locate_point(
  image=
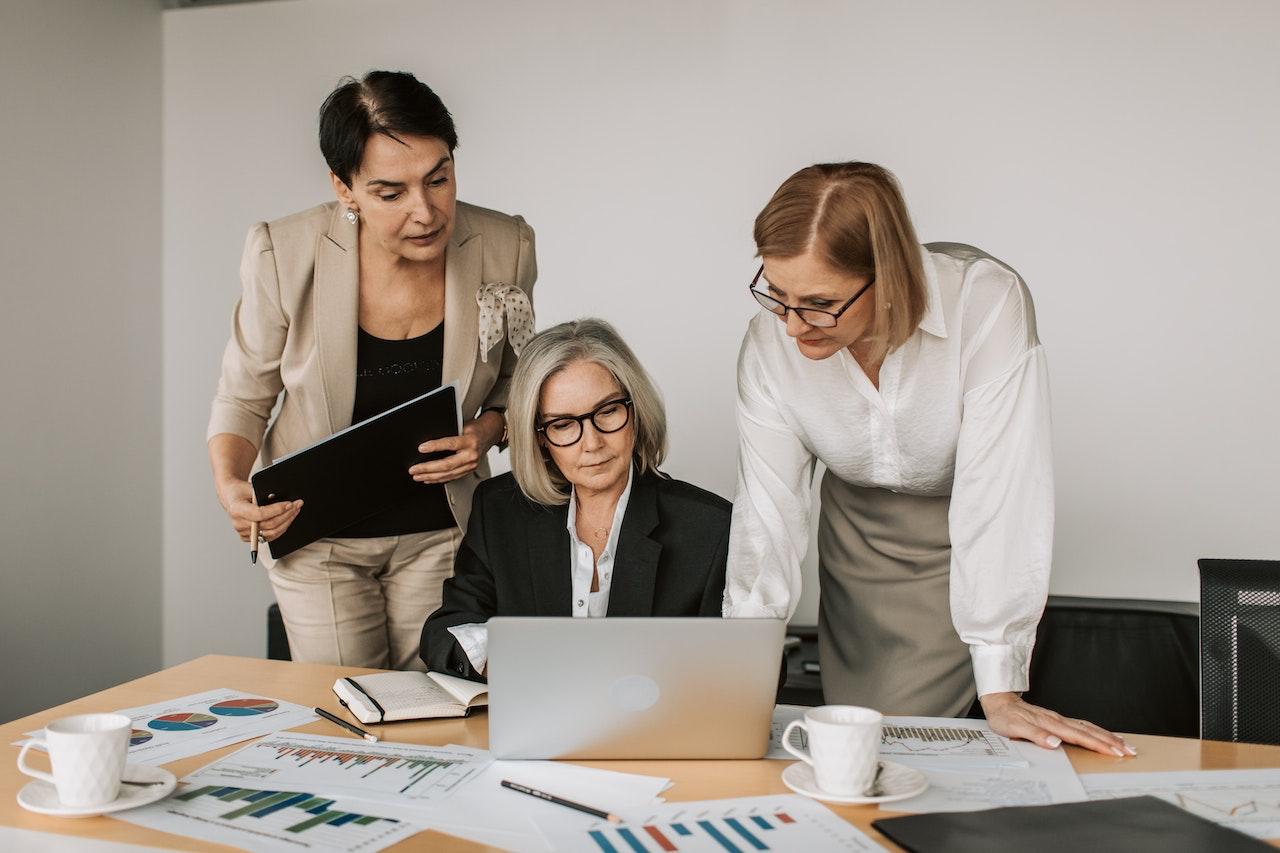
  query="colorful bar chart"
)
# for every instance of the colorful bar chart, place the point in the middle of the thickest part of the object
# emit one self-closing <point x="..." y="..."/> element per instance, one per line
<point x="730" y="834"/>
<point x="402" y="772"/>
<point x="260" y="804"/>
<point x="270" y="820"/>
<point x="414" y="770"/>
<point x="745" y="825"/>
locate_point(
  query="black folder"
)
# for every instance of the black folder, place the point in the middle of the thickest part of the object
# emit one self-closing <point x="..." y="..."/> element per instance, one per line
<point x="1095" y="826"/>
<point x="357" y="472"/>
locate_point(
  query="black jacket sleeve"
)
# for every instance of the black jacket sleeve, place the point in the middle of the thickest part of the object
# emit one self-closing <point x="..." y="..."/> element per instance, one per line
<point x="469" y="596"/>
<point x="713" y="595"/>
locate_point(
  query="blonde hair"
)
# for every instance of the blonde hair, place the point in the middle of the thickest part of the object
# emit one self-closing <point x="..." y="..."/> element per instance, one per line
<point x="852" y="216"/>
<point x="550" y="352"/>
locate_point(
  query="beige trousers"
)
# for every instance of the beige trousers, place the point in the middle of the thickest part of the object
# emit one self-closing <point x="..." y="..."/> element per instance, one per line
<point x="885" y="638"/>
<point x="362" y="602"/>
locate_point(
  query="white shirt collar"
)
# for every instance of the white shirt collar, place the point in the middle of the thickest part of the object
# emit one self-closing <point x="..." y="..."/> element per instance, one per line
<point x="933" y="320"/>
<point x="619" y="512"/>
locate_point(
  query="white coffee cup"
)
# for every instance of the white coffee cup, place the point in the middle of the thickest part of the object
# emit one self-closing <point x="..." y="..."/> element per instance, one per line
<point x="844" y="747"/>
<point x="88" y="753"/>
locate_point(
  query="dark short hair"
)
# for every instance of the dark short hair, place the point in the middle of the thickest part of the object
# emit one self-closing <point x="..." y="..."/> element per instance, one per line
<point x="393" y="103"/>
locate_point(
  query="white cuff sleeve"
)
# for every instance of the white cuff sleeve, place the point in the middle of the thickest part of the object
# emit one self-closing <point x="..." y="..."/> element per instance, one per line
<point x="748" y="609"/>
<point x="1000" y="669"/>
<point x="474" y="639"/>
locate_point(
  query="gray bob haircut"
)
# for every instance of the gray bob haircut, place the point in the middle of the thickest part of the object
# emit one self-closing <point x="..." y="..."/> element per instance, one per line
<point x="550" y="352"/>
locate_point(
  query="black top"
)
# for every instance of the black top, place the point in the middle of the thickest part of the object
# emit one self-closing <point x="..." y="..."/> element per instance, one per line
<point x="389" y="373"/>
<point x="515" y="561"/>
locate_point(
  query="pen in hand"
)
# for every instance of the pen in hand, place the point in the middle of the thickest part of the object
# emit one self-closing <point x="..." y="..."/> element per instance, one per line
<point x="253" y="542"/>
<point x="355" y="730"/>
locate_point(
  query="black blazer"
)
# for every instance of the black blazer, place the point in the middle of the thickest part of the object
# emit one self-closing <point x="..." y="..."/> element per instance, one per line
<point x="514" y="561"/>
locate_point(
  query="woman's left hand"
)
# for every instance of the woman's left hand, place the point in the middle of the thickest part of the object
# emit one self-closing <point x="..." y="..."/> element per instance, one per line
<point x="1008" y="715"/>
<point x="465" y="450"/>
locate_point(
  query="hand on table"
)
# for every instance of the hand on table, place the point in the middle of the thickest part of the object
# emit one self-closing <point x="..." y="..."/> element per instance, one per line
<point x="465" y="450"/>
<point x="1008" y="715"/>
<point x="236" y="497"/>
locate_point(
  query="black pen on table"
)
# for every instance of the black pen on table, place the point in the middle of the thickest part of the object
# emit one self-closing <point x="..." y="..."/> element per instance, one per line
<point x="560" y="801"/>
<point x="355" y="730"/>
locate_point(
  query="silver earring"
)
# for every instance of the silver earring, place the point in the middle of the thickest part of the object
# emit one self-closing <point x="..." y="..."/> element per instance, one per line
<point x="352" y="216"/>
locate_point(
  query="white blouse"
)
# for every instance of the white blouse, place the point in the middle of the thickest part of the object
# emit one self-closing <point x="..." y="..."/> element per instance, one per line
<point x="962" y="409"/>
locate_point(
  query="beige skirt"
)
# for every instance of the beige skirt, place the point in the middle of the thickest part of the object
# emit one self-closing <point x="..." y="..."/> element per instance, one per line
<point x="885" y="638"/>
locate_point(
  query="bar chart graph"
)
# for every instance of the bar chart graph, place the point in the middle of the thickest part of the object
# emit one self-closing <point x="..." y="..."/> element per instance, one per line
<point x="254" y="803"/>
<point x="723" y="826"/>
<point x="338" y="766"/>
<point x="269" y="820"/>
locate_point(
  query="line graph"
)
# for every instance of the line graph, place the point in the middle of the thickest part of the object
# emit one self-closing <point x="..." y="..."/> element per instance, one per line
<point x="1245" y="800"/>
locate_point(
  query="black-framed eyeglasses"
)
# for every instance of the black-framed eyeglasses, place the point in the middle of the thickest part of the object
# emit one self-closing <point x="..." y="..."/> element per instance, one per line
<point x="609" y="416"/>
<point x="812" y="316"/>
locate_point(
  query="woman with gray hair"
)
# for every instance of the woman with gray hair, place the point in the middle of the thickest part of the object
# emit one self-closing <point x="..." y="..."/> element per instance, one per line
<point x="585" y="524"/>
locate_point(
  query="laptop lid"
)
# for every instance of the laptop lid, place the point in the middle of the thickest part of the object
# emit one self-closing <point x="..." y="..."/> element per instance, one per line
<point x="632" y="687"/>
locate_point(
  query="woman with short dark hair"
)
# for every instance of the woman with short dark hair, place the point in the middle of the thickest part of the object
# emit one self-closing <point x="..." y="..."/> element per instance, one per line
<point x="351" y="308"/>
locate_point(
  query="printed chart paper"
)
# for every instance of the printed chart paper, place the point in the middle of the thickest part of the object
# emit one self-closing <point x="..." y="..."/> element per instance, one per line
<point x="915" y="740"/>
<point x="1244" y="800"/>
<point x="399" y="774"/>
<point x="190" y="725"/>
<point x="488" y="813"/>
<point x="787" y="822"/>
<point x="958" y="784"/>
<point x="270" y="820"/>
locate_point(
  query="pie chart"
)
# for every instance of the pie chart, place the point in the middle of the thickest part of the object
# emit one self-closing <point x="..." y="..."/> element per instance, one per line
<point x="138" y="737"/>
<point x="243" y="707"/>
<point x="181" y="722"/>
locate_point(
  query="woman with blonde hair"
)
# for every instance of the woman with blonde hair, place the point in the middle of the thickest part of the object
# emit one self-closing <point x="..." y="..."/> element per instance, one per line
<point x="915" y="375"/>
<point x="585" y="524"/>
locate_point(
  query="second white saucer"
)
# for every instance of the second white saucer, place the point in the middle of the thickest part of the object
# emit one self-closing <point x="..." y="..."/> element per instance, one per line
<point x="41" y="797"/>
<point x="896" y="781"/>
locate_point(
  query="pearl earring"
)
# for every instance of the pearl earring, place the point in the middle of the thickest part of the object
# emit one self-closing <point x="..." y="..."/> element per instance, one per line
<point x="352" y="216"/>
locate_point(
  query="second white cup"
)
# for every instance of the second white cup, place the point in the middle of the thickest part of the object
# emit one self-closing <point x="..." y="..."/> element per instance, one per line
<point x="88" y="753"/>
<point x="844" y="747"/>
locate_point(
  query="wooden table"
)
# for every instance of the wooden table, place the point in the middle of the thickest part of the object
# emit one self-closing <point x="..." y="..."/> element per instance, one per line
<point x="309" y="684"/>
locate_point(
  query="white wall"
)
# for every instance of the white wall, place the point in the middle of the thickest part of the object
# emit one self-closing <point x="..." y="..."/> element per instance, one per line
<point x="1123" y="159"/>
<point x="80" y="503"/>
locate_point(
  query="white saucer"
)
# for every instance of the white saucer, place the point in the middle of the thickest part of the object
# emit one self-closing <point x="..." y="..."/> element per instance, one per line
<point x="897" y="781"/>
<point x="40" y="796"/>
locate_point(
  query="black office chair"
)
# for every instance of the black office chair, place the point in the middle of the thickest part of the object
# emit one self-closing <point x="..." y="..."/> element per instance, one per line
<point x="1128" y="665"/>
<point x="803" y="685"/>
<point x="1240" y="650"/>
<point x="277" y="640"/>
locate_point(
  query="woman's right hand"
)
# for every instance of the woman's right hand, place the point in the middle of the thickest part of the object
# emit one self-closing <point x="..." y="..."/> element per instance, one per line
<point x="236" y="497"/>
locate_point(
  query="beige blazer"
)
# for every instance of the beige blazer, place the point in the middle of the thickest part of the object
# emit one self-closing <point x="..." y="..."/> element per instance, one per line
<point x="294" y="329"/>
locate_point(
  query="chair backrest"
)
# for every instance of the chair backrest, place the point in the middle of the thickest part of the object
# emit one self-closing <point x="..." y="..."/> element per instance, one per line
<point x="1128" y="665"/>
<point x="1240" y="650"/>
<point x="277" y="640"/>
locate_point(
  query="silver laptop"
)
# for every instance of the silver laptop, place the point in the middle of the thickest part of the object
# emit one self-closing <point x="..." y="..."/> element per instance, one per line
<point x="632" y="688"/>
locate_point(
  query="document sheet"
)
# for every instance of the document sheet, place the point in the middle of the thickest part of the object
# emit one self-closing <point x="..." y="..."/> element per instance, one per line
<point x="1244" y="800"/>
<point x="780" y="822"/>
<point x="189" y="725"/>
<point x="400" y="777"/>
<point x="266" y="819"/>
